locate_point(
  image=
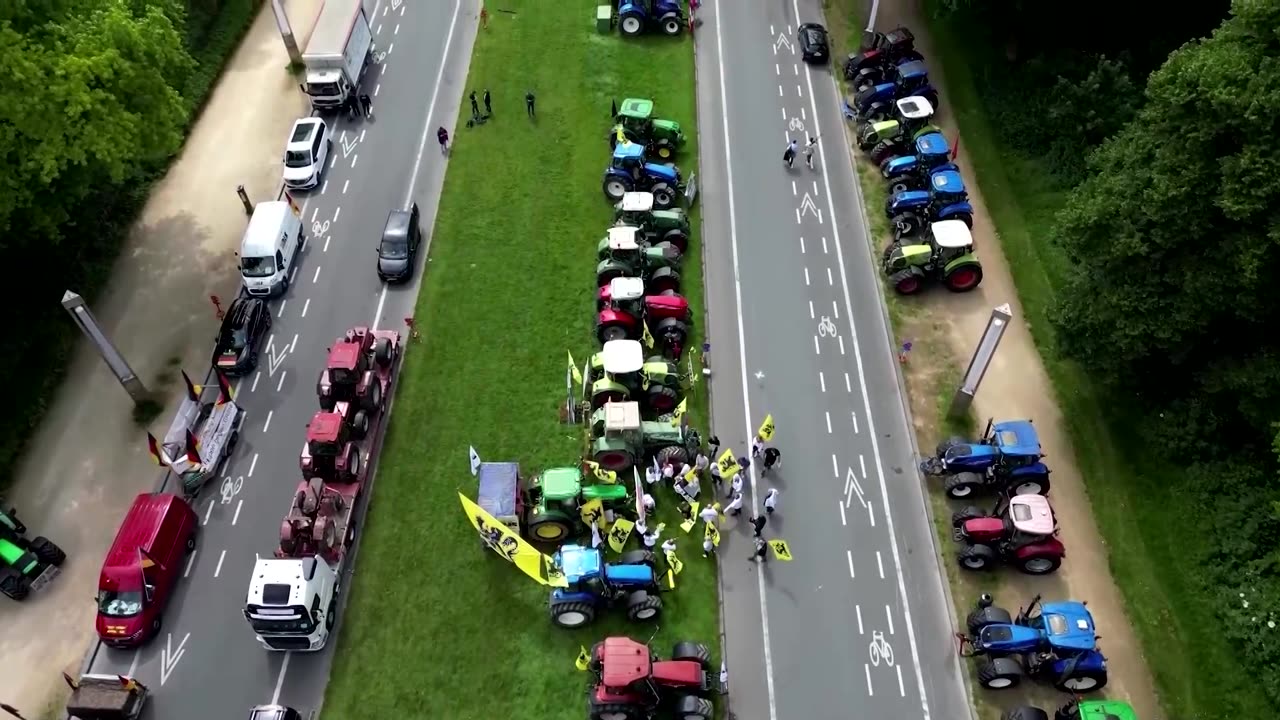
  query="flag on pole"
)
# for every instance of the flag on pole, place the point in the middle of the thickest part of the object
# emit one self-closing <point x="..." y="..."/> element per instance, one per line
<point x="584" y="660"/>
<point x="475" y="460"/>
<point x="573" y="368"/>
<point x="153" y="447"/>
<point x="225" y="393"/>
<point x="193" y="390"/>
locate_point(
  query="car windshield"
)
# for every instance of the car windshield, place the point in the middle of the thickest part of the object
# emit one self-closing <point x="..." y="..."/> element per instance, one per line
<point x="297" y="159"/>
<point x="257" y="266"/>
<point x="816" y="37"/>
<point x="119" y="604"/>
<point x="394" y="248"/>
<point x="322" y="88"/>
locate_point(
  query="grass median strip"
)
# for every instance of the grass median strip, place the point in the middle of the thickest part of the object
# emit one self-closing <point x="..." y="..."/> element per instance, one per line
<point x="437" y="624"/>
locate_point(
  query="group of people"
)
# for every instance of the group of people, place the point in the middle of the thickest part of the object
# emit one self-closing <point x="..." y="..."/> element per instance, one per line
<point x="442" y="135"/>
<point x="789" y="155"/>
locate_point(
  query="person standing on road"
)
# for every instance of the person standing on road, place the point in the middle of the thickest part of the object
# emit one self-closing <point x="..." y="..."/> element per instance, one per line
<point x="443" y="136"/>
<point x="735" y="486"/>
<point x="757" y="446"/>
<point x="528" y="103"/>
<point x="761" y="553"/>
<point x="734" y="507"/>
<point x="789" y="155"/>
<point x="475" y="107"/>
<point x="772" y="459"/>
<point x="771" y="501"/>
<point x="366" y="104"/>
<point x="757" y="524"/>
<point x="808" y="151"/>
<point x="488" y="108"/>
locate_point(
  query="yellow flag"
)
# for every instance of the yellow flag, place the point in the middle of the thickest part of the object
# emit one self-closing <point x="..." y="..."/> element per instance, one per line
<point x="674" y="562"/>
<point x="604" y="476"/>
<point x="681" y="409"/>
<point x="573" y="368"/>
<point x="646" y="336"/>
<point x="766" y="429"/>
<point x="584" y="660"/>
<point x="591" y="510"/>
<point x="687" y="525"/>
<point x="620" y="533"/>
<point x="621" y="136"/>
<point x="781" y="550"/>
<point x="671" y="580"/>
<point x="728" y="464"/>
<point x="511" y="547"/>
<point x="712" y="534"/>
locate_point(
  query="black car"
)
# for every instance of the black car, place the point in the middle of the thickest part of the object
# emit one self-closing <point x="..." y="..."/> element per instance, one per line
<point x="246" y="323"/>
<point x="274" y="712"/>
<point x="399" y="246"/>
<point x="814" y="44"/>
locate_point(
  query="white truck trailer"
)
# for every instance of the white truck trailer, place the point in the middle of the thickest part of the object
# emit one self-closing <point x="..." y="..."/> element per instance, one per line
<point x="340" y="48"/>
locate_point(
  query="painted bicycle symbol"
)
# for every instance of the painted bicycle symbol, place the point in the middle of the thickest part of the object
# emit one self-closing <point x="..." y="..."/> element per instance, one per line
<point x="826" y="328"/>
<point x="231" y="488"/>
<point x="319" y="229"/>
<point x="880" y="650"/>
<point x="796" y="125"/>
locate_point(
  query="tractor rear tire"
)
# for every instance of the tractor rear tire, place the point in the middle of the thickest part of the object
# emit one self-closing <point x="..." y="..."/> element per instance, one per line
<point x="572" y="615"/>
<point x="960" y="517"/>
<point x="909" y="224"/>
<point x="900" y="184"/>
<point x="984" y="616"/>
<point x="977" y="557"/>
<point x="664" y="196"/>
<point x="1084" y="682"/>
<point x="638" y="557"/>
<point x="1039" y="564"/>
<point x="550" y="528"/>
<point x="671" y="25"/>
<point x="673" y="454"/>
<point x="693" y="651"/>
<point x="631" y="24"/>
<point x="663" y="280"/>
<point x="907" y="282"/>
<point x="615" y="187"/>
<point x="672" y="330"/>
<point x="999" y="673"/>
<point x="383" y="352"/>
<point x="615" y="460"/>
<point x="692" y="707"/>
<point x="353" y="465"/>
<point x="17" y="587"/>
<point x="616" y="711"/>
<point x="372" y="400"/>
<point x="678" y="238"/>
<point x="881" y="152"/>
<point x="46" y="552"/>
<point x="964" y="278"/>
<point x="613" y="331"/>
<point x="1025" y="712"/>
<point x="662" y="399"/>
<point x="643" y="607"/>
<point x="663" y="149"/>
<point x="1036" y="485"/>
<point x="359" y="425"/>
<point x="598" y="400"/>
<point x="962" y="485"/>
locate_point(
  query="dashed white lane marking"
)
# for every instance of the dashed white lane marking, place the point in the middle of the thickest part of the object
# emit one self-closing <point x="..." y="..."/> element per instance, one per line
<point x="862" y="465"/>
<point x="848" y="387"/>
<point x="267" y="425"/>
<point x="779" y="91"/>
<point x="793" y="187"/>
<point x="307" y="304"/>
<point x="822" y="380"/>
<point x="252" y="465"/>
<point x="337" y="212"/>
<point x="811" y="315"/>
<point x="236" y="517"/>
<point x="207" y="512"/>
<point x="376" y="88"/>
<point x="870" y="691"/>
<point x="849" y="556"/>
<point x="841" y="339"/>
<point x="345" y="184"/>
<point x="871" y="512"/>
<point x="902" y="690"/>
<point x="888" y="614"/>
<point x="316" y="276"/>
<point x="858" y="609"/>
<point x="218" y="570"/>
<point x="256" y="377"/>
<point x="880" y="564"/>
<point x="314" y="213"/>
<point x="844" y="522"/>
<point x="397" y="30"/>
<point x="280" y="385"/>
<point x="293" y="274"/>
<point x="816" y="350"/>
<point x="824" y="245"/>
<point x="282" y="304"/>
<point x="828" y="412"/>
<point x="854" y="416"/>
<point x="801" y="244"/>
<point x="835" y="465"/>
<point x="190" y="559"/>
<point x="830" y="278"/>
<point x="354" y="159"/>
<point x="806" y="276"/>
<point x="836" y="309"/>
<point x="799" y="92"/>
<point x="326" y="243"/>
<point x="294" y="344"/>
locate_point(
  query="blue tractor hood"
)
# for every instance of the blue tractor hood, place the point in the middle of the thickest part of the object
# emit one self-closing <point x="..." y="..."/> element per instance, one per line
<point x="1069" y="626"/>
<point x="947" y="182"/>
<point x="898" y="165"/>
<point x="913" y="70"/>
<point x="628" y="151"/>
<point x="1008" y="639"/>
<point x="933" y="144"/>
<point x="629" y="574"/>
<point x="907" y="200"/>
<point x="666" y="173"/>
<point x="579" y="563"/>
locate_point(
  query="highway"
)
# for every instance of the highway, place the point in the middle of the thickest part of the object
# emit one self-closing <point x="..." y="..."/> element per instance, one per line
<point x="860" y="617"/>
<point x="206" y="663"/>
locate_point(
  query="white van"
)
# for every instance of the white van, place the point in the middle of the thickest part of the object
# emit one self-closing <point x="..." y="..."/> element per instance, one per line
<point x="270" y="248"/>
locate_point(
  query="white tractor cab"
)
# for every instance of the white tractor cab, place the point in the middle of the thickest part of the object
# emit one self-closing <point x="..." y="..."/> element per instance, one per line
<point x="623" y="357"/>
<point x="305" y="153"/>
<point x="269" y="248"/>
<point x="292" y="603"/>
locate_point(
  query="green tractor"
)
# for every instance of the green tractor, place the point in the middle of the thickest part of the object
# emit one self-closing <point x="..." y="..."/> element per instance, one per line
<point x="659" y="226"/>
<point x="25" y="565"/>
<point x="634" y="121"/>
<point x="619" y="372"/>
<point x="1076" y="709"/>
<point x="620" y="439"/>
<point x="912" y="117"/>
<point x="552" y="500"/>
<point x="945" y="255"/>
<point x="622" y="255"/>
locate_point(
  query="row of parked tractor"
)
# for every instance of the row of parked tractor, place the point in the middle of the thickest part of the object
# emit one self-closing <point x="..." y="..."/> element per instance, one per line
<point x="892" y="108"/>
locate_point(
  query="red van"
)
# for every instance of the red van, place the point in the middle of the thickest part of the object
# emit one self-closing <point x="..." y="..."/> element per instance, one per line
<point x="142" y="566"/>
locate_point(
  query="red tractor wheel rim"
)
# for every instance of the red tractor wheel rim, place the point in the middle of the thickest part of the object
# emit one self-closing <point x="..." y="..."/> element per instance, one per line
<point x="612" y="459"/>
<point x="908" y="286"/>
<point x="662" y="403"/>
<point x="964" y="278"/>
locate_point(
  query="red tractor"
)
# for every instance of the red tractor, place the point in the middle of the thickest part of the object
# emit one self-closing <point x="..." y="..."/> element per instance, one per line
<point x="624" y="310"/>
<point x="358" y="369"/>
<point x="318" y="522"/>
<point x="331" y="452"/>
<point x="632" y="685"/>
<point x="1021" y="531"/>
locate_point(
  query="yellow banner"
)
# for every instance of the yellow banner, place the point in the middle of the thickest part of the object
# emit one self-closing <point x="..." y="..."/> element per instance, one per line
<point x="604" y="476"/>
<point x="687" y="525"/>
<point x="781" y="550"/>
<point x="671" y="580"/>
<point x="766" y="429"/>
<point x="620" y="533"/>
<point x="584" y="660"/>
<point x="647" y="337"/>
<point x="674" y="562"/>
<point x="728" y="464"/>
<point x="573" y="368"/>
<point x="510" y="546"/>
<point x="712" y="534"/>
<point x="591" y="511"/>
<point x="681" y="409"/>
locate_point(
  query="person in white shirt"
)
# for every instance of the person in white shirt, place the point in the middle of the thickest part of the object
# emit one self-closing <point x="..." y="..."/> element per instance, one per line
<point x="668" y="472"/>
<point x="735" y="505"/>
<point x="651" y="539"/>
<point x="668" y="546"/>
<point x="709" y="514"/>
<point x="715" y="476"/>
<point x="757" y="446"/>
<point x="701" y="462"/>
<point x="651" y="475"/>
<point x="708" y="547"/>
<point x="649" y="504"/>
<point x="735" y="487"/>
<point x="771" y="501"/>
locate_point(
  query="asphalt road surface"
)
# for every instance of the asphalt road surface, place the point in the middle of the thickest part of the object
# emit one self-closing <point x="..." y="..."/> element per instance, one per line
<point x="206" y="663"/>
<point x="859" y="618"/>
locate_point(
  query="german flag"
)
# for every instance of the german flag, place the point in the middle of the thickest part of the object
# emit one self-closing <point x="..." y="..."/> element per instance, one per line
<point x="193" y="448"/>
<point x="293" y="204"/>
<point x="145" y="560"/>
<point x="225" y="395"/>
<point x="153" y="447"/>
<point x="193" y="390"/>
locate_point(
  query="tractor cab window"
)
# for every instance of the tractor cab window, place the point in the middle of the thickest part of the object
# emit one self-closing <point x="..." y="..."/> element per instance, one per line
<point x="321" y="448"/>
<point x="342" y="376"/>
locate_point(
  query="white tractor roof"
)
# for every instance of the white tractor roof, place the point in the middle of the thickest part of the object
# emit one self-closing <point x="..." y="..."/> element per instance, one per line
<point x="626" y="288"/>
<point x="915" y="107"/>
<point x="1032" y="514"/>
<point x="623" y="237"/>
<point x="623" y="356"/>
<point x="624" y="416"/>
<point x="952" y="234"/>
<point x="636" y="202"/>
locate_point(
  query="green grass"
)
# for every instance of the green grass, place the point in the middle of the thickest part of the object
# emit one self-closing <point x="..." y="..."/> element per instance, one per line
<point x="1136" y="500"/>
<point x="437" y="626"/>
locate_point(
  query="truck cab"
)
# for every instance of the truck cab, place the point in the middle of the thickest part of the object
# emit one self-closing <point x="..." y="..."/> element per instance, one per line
<point x="293" y="603"/>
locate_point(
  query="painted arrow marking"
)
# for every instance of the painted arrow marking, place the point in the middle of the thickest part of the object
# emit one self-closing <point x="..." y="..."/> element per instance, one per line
<point x="347" y="148"/>
<point x="780" y="42"/>
<point x="807" y="206"/>
<point x="169" y="657"/>
<point x="851" y="487"/>
<point x="395" y="4"/>
<point x="273" y="360"/>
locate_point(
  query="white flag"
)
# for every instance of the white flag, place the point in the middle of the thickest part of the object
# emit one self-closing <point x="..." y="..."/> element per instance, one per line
<point x="475" y="461"/>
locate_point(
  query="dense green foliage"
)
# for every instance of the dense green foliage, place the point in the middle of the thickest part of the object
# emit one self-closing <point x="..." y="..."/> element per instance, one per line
<point x="96" y="98"/>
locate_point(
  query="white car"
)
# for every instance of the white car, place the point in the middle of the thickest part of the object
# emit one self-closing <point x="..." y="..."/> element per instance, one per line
<point x="306" y="153"/>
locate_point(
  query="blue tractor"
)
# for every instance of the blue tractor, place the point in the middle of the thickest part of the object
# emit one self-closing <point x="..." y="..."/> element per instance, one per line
<point x="914" y="210"/>
<point x="874" y="101"/>
<point x="630" y="171"/>
<point x="593" y="585"/>
<point x="911" y="172"/>
<point x="1007" y="458"/>
<point x="1051" y="642"/>
<point x="636" y="16"/>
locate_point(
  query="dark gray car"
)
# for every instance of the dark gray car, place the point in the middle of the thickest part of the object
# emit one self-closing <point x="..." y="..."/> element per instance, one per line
<point x="398" y="249"/>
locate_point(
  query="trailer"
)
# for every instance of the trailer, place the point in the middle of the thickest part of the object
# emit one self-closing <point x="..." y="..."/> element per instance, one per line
<point x="340" y="48"/>
<point x="105" y="697"/>
<point x="201" y="436"/>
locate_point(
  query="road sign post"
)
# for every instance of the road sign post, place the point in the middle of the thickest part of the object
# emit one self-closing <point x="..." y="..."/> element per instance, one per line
<point x="88" y="324"/>
<point x="981" y="360"/>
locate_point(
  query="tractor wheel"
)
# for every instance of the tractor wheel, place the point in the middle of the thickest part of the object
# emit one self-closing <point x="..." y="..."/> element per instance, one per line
<point x="1033" y="485"/>
<point x="638" y="557"/>
<point x="1025" y="712"/>
<point x="46" y="552"/>
<point x="643" y="607"/>
<point x="612" y="331"/>
<point x="692" y="707"/>
<point x="877" y="111"/>
<point x="907" y="282"/>
<point x="962" y="485"/>
<point x="1083" y="682"/>
<point x="615" y="187"/>
<point x="372" y="401"/>
<point x="672" y="454"/>
<point x="617" y="711"/>
<point x="672" y="330"/>
<point x="976" y="557"/>
<point x="662" y="281"/>
<point x="664" y="196"/>
<point x="677" y="237"/>
<point x="900" y="184"/>
<point x="662" y="399"/>
<point x="353" y="465"/>
<point x="17" y="587"/>
<point x="615" y="460"/>
<point x="881" y="152"/>
<point x="999" y="673"/>
<point x="383" y="352"/>
<point x="963" y="278"/>
<point x="571" y="615"/>
<point x="694" y="652"/>
<point x="1039" y="564"/>
<point x="671" y="24"/>
<point x="331" y="615"/>
<point x="631" y="24"/>
<point x="359" y="425"/>
<point x="907" y="224"/>
<point x="964" y="217"/>
<point x="550" y="527"/>
<point x="670" y="251"/>
<point x="611" y="271"/>
<point x="599" y="399"/>
<point x="985" y="616"/>
<point x="663" y="149"/>
<point x="888" y="252"/>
